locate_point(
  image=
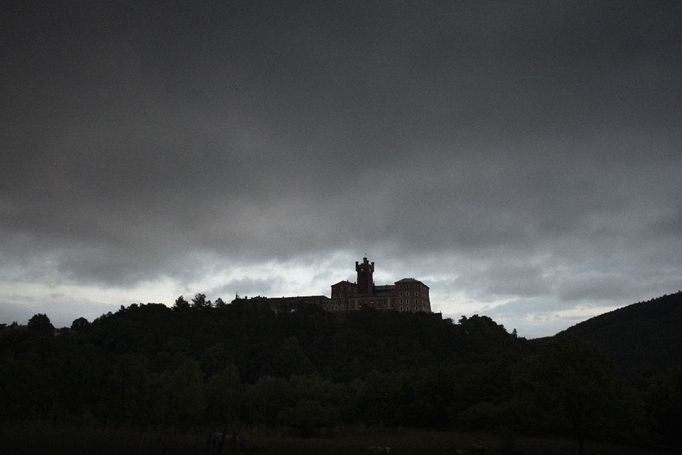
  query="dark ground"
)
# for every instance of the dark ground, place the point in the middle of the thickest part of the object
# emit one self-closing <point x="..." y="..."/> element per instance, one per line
<point x="49" y="439"/>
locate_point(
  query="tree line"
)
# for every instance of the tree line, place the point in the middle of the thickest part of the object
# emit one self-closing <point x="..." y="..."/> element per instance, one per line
<point x="310" y="371"/>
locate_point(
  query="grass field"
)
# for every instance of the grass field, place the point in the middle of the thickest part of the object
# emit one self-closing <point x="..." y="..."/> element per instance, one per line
<point x="39" y="438"/>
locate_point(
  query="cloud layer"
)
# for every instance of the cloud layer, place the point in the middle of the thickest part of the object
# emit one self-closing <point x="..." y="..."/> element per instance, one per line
<point x="522" y="159"/>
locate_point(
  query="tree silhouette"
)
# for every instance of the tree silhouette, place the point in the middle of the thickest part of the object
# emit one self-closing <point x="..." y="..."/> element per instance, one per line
<point x="181" y="304"/>
<point x="40" y="323"/>
<point x="199" y="301"/>
<point x="79" y="324"/>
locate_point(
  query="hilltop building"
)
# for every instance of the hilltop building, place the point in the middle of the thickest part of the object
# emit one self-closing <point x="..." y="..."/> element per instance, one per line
<point x="407" y="294"/>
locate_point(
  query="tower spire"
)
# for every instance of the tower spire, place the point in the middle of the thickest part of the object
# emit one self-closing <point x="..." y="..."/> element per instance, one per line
<point x="365" y="280"/>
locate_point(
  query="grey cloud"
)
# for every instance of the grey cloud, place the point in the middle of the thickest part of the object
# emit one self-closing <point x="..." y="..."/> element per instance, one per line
<point x="143" y="142"/>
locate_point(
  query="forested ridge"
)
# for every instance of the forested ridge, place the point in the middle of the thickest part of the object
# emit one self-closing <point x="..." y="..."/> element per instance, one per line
<point x="309" y="371"/>
<point x="640" y="338"/>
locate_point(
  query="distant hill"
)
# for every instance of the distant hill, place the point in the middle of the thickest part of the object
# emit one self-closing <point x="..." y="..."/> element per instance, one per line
<point x="639" y="337"/>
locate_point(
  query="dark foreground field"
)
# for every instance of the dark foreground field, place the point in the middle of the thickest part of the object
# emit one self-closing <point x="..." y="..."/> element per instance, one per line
<point x="39" y="438"/>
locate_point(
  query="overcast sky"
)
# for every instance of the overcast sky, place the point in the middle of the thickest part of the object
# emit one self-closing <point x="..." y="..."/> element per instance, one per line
<point x="523" y="159"/>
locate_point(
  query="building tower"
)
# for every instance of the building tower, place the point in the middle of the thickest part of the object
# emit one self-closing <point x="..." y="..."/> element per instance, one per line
<point x="365" y="280"/>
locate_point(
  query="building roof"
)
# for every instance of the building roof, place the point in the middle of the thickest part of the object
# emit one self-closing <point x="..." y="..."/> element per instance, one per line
<point x="410" y="280"/>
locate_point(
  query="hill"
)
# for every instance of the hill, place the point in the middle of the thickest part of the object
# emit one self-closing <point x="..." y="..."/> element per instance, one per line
<point x="639" y="338"/>
<point x="218" y="366"/>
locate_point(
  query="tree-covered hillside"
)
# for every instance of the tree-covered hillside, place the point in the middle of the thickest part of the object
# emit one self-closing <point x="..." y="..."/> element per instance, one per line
<point x="309" y="371"/>
<point x="639" y="338"/>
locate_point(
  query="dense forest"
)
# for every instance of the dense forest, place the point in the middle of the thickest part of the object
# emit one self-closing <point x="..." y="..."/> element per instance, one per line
<point x="309" y="372"/>
<point x="640" y="338"/>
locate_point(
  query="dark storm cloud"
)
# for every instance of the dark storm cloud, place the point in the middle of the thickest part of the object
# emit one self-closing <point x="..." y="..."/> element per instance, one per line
<point x="539" y="143"/>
